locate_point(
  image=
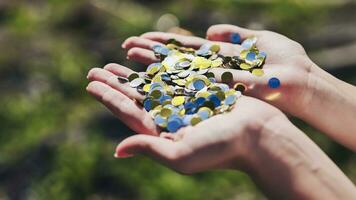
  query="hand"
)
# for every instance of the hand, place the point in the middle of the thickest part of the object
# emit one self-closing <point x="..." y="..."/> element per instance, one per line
<point x="254" y="137"/>
<point x="286" y="60"/>
<point x="222" y="141"/>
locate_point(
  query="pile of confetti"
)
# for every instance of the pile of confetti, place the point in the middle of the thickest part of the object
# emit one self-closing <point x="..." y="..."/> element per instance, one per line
<point x="181" y="91"/>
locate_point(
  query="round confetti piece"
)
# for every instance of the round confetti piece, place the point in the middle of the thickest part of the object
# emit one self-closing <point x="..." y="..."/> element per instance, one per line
<point x="245" y="66"/>
<point x="156" y="94"/>
<point x="178" y="100"/>
<point x="257" y="72"/>
<point x="235" y="38"/>
<point x="215" y="48"/>
<point x="215" y="100"/>
<point x="274" y="83"/>
<point x="132" y="76"/>
<point x="240" y="87"/>
<point x="230" y="100"/>
<point x="122" y="79"/>
<point x="159" y="120"/>
<point x="166" y="112"/>
<point x="147" y="104"/>
<point x="198" y="84"/>
<point x="226" y="77"/>
<point x="174" y="125"/>
<point x="195" y="120"/>
<point x="251" y="56"/>
<point x="136" y="82"/>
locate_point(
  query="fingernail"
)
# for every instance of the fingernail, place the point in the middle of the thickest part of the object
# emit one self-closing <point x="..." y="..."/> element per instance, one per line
<point x="123" y="46"/>
<point x="122" y="155"/>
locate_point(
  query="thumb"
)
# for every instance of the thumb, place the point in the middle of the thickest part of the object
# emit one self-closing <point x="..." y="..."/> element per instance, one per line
<point x="158" y="148"/>
<point x="224" y="33"/>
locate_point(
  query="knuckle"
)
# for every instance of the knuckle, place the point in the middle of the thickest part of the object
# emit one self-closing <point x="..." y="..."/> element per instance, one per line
<point x="109" y="96"/>
<point x="112" y="80"/>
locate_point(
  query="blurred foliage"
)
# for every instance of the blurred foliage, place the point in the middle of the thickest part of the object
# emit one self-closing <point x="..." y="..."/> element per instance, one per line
<point x="57" y="143"/>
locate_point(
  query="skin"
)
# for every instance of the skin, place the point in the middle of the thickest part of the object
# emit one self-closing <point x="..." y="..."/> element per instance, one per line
<point x="254" y="137"/>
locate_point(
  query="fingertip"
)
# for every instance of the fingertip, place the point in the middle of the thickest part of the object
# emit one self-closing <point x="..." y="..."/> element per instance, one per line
<point x="122" y="154"/>
<point x="123" y="45"/>
<point x="92" y="72"/>
<point x="141" y="55"/>
<point x="129" y="146"/>
<point x="97" y="89"/>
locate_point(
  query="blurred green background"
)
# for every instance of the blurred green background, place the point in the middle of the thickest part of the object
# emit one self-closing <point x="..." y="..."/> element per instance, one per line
<point x="56" y="142"/>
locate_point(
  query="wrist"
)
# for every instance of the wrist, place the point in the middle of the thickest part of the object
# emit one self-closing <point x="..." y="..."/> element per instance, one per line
<point x="329" y="98"/>
<point x="286" y="163"/>
<point x="261" y="138"/>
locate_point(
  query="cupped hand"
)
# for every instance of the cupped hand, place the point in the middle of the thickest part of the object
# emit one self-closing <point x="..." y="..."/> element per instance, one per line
<point x="286" y="60"/>
<point x="222" y="141"/>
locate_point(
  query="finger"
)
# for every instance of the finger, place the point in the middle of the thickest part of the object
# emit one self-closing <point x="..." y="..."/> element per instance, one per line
<point x="104" y="76"/>
<point x="163" y="150"/>
<point x="124" y="108"/>
<point x="187" y="41"/>
<point x="139" y="42"/>
<point x="119" y="70"/>
<point x="142" y="55"/>
<point x="222" y="32"/>
<point x="226" y="49"/>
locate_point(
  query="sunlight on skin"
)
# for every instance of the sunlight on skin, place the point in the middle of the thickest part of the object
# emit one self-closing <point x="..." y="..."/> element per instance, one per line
<point x="273" y="96"/>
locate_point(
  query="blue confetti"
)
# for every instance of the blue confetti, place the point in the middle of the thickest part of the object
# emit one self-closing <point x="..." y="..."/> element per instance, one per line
<point x="147" y="104"/>
<point x="230" y="100"/>
<point x="251" y="56"/>
<point x="200" y="101"/>
<point x="235" y="38"/>
<point x="199" y="84"/>
<point x="174" y="125"/>
<point x="215" y="100"/>
<point x="274" y="83"/>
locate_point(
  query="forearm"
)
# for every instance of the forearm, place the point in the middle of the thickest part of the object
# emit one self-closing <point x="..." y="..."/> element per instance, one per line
<point x="332" y="107"/>
<point x="291" y="166"/>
